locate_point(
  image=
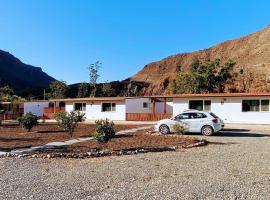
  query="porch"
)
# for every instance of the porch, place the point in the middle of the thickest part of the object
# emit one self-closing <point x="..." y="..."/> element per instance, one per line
<point x="11" y="111"/>
<point x="53" y="108"/>
<point x="153" y="109"/>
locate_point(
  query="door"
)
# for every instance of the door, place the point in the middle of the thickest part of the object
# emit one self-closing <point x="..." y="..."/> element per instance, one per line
<point x="196" y="121"/>
<point x="184" y="118"/>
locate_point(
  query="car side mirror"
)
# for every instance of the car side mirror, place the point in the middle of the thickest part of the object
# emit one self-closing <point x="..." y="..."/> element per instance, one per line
<point x="175" y="119"/>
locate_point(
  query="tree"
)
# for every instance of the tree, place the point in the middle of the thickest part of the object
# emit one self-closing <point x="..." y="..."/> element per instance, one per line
<point x="6" y="92"/>
<point x="107" y="90"/>
<point x="69" y="121"/>
<point x="93" y="76"/>
<point x="83" y="90"/>
<point x="251" y="80"/>
<point x="209" y="76"/>
<point x="58" y="89"/>
<point x="28" y="121"/>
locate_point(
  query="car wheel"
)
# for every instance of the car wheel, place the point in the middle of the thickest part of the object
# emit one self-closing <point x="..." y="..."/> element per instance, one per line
<point x="207" y="131"/>
<point x="164" y="129"/>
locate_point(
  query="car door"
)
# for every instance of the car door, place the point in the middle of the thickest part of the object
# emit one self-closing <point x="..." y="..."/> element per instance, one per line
<point x="184" y="119"/>
<point x="196" y="121"/>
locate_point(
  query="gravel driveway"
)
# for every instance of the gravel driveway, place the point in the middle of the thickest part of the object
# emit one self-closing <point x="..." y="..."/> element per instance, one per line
<point x="235" y="165"/>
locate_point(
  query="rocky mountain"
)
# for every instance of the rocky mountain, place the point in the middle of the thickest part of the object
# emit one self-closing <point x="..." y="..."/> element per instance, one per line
<point x="21" y="77"/>
<point x="251" y="51"/>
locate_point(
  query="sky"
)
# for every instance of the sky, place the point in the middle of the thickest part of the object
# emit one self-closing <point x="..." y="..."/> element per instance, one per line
<point x="65" y="36"/>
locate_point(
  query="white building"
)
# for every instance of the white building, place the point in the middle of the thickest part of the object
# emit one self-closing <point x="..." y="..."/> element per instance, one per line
<point x="231" y="107"/>
<point x="35" y="107"/>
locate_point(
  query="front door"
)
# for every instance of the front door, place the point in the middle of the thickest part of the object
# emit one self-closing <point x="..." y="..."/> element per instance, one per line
<point x="184" y="118"/>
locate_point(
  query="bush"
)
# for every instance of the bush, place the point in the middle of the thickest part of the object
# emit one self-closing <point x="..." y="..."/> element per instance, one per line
<point x="104" y="130"/>
<point x="28" y="121"/>
<point x="69" y="121"/>
<point x="178" y="128"/>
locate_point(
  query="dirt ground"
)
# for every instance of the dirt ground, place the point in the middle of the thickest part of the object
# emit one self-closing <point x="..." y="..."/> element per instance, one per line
<point x="138" y="140"/>
<point x="13" y="136"/>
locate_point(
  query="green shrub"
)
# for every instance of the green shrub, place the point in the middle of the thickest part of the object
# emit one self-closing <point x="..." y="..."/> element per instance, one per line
<point x="69" y="121"/>
<point x="179" y="128"/>
<point x="28" y="121"/>
<point x="104" y="130"/>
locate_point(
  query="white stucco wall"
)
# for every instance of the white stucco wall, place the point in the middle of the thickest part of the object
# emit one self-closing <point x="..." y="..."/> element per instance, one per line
<point x="93" y="112"/>
<point x="230" y="111"/>
<point x="35" y="107"/>
<point x="136" y="106"/>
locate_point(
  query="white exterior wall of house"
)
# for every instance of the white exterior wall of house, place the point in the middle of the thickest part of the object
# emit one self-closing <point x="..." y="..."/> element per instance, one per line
<point x="230" y="111"/>
<point x="94" y="112"/>
<point x="136" y="106"/>
<point x="35" y="107"/>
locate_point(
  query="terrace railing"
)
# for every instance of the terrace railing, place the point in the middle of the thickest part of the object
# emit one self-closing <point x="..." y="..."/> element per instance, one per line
<point x="146" y="116"/>
<point x="50" y="111"/>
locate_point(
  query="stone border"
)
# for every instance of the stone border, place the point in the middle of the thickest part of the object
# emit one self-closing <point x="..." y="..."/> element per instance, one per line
<point x="36" y="152"/>
<point x="101" y="153"/>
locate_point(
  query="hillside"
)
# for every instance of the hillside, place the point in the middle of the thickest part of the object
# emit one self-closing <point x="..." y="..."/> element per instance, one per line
<point x="252" y="51"/>
<point x="20" y="76"/>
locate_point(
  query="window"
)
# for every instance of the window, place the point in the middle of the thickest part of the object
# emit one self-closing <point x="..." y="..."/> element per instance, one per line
<point x="145" y="105"/>
<point x="182" y="116"/>
<point x="108" y="107"/>
<point x="250" y="105"/>
<point x="202" y="105"/>
<point x="207" y="105"/>
<point x="80" y="106"/>
<point x="264" y="105"/>
<point x="197" y="115"/>
<point x="213" y="115"/>
<point x="196" y="104"/>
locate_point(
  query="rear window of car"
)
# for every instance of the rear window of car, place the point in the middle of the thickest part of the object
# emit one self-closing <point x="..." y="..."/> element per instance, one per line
<point x="213" y="115"/>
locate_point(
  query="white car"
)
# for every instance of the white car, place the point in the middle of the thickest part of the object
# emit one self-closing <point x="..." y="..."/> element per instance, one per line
<point x="193" y="121"/>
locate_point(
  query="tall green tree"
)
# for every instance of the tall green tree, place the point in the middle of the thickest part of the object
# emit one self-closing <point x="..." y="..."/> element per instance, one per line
<point x="93" y="76"/>
<point x="58" y="89"/>
<point x="83" y="90"/>
<point x="209" y="76"/>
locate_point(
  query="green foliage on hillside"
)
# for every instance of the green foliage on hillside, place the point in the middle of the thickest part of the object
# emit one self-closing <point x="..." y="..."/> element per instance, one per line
<point x="58" y="89"/>
<point x="83" y="90"/>
<point x="206" y="77"/>
<point x="8" y="94"/>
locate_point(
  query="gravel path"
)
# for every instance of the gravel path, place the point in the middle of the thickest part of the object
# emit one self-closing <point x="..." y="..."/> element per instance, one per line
<point x="234" y="166"/>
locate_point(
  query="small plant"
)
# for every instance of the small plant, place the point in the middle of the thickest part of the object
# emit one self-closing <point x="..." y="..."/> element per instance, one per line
<point x="69" y="121"/>
<point x="179" y="128"/>
<point x="104" y="130"/>
<point x="28" y="121"/>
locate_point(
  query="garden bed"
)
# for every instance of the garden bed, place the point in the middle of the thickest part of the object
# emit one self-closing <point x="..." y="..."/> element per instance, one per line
<point x="139" y="142"/>
<point x="14" y="137"/>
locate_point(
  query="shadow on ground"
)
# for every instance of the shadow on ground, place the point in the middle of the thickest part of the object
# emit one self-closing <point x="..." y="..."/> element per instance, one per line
<point x="241" y="134"/>
<point x="221" y="143"/>
<point x="236" y="133"/>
